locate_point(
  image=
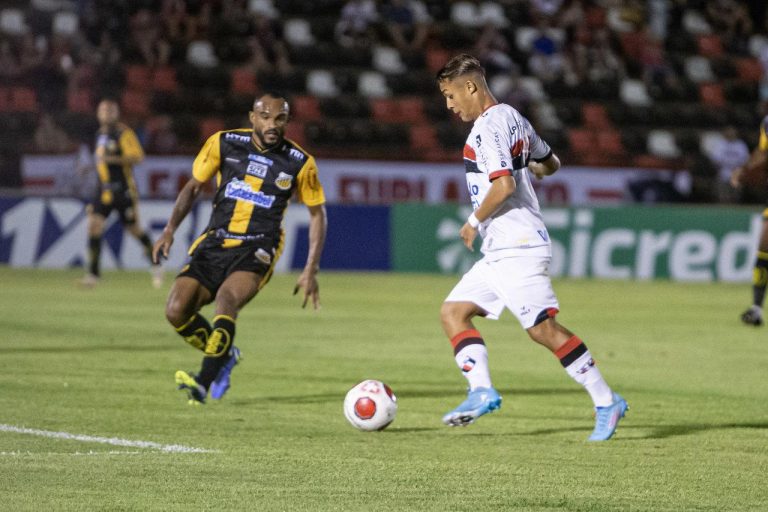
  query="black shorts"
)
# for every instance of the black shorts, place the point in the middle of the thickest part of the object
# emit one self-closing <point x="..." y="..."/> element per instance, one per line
<point x="211" y="264"/>
<point x="123" y="202"/>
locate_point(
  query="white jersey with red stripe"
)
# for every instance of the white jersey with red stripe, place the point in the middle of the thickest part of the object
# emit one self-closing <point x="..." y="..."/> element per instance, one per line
<point x="501" y="143"/>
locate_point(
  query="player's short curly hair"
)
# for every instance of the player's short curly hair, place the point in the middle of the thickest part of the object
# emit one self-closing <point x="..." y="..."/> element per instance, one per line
<point x="459" y="65"/>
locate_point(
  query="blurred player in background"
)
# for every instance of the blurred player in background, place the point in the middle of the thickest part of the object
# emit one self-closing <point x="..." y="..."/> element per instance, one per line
<point x="755" y="166"/>
<point x="500" y="154"/>
<point x="257" y="172"/>
<point x="117" y="151"/>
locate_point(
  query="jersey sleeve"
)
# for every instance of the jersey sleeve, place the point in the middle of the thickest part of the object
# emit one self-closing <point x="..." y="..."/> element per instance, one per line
<point x="208" y="160"/>
<point x="130" y="146"/>
<point x="309" y="190"/>
<point x="539" y="149"/>
<point x="763" y="143"/>
<point x="494" y="145"/>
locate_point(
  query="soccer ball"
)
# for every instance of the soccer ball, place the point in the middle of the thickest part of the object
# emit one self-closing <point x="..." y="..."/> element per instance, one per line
<point x="370" y="405"/>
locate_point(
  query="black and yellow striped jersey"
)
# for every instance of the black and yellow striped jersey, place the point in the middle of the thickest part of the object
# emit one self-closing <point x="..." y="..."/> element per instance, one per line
<point x="254" y="186"/>
<point x="763" y="142"/>
<point x="119" y="140"/>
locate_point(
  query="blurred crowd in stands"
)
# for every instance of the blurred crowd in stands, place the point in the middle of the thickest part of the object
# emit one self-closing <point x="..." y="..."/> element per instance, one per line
<point x="669" y="84"/>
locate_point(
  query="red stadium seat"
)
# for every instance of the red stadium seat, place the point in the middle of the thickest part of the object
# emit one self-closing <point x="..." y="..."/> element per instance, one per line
<point x="749" y="69"/>
<point x="138" y="77"/>
<point x="384" y="110"/>
<point x="243" y="81"/>
<point x="609" y="143"/>
<point x="582" y="141"/>
<point x="401" y="110"/>
<point x="210" y="125"/>
<point x="710" y="46"/>
<point x="5" y="99"/>
<point x="423" y="137"/>
<point x="411" y="109"/>
<point x="80" y="100"/>
<point x="712" y="94"/>
<point x="436" y="59"/>
<point x="594" y="115"/>
<point x="295" y="132"/>
<point x="135" y="102"/>
<point x="306" y="108"/>
<point x="23" y="99"/>
<point x="164" y="79"/>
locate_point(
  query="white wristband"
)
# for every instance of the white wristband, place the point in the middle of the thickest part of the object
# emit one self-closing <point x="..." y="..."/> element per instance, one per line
<point x="472" y="220"/>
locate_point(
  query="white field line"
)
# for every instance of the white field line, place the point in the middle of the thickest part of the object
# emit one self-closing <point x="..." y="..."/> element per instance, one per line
<point x="74" y="454"/>
<point x="114" y="441"/>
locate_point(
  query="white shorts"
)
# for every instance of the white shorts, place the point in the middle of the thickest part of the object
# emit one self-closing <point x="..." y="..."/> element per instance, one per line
<point x="519" y="283"/>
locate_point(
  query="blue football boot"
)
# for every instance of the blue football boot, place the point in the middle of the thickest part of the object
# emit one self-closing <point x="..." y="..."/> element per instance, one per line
<point x="479" y="401"/>
<point x="220" y="385"/>
<point x="607" y="418"/>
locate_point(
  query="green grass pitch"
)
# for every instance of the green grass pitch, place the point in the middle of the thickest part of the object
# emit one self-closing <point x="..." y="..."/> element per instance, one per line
<point x="101" y="363"/>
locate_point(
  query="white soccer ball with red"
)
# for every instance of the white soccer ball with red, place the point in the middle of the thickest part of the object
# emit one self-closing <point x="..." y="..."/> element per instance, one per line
<point x="370" y="405"/>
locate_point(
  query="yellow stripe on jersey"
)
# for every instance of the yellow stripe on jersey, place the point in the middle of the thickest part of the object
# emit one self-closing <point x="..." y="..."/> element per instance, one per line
<point x="241" y="216"/>
<point x="208" y="160"/>
<point x="310" y="191"/>
<point x="763" y="144"/>
<point x="278" y="253"/>
<point x="130" y="146"/>
<point x="103" y="171"/>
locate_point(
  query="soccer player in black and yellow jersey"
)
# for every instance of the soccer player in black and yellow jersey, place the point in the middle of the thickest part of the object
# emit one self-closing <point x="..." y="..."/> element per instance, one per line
<point x="257" y="172"/>
<point x="756" y="164"/>
<point x="117" y="151"/>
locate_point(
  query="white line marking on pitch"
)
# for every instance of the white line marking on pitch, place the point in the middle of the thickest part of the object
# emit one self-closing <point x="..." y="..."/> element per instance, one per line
<point x="114" y="441"/>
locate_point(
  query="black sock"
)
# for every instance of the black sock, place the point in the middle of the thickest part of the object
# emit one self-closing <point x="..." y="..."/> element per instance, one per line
<point x="759" y="278"/>
<point x="94" y="253"/>
<point x="196" y="331"/>
<point x="217" y="349"/>
<point x="147" y="243"/>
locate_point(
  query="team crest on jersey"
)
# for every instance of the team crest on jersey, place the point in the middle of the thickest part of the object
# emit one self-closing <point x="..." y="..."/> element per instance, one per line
<point x="242" y="191"/>
<point x="283" y="181"/>
<point x="468" y="364"/>
<point x="263" y="256"/>
<point x="257" y="169"/>
<point x="588" y="366"/>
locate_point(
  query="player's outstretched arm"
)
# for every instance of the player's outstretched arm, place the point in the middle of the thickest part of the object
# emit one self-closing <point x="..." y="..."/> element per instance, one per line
<point x="318" y="225"/>
<point x="183" y="205"/>
<point x="546" y="168"/>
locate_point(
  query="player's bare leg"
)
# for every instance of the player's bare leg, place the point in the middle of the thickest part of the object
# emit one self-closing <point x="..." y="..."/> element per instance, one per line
<point x="578" y="363"/>
<point x="471" y="356"/>
<point x="95" y="231"/>
<point x="754" y="315"/>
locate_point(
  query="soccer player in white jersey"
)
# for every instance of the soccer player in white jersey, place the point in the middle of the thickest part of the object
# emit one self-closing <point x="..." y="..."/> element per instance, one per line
<point x="501" y="153"/>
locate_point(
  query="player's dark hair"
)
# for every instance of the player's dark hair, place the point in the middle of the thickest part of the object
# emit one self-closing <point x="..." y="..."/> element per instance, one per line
<point x="459" y="65"/>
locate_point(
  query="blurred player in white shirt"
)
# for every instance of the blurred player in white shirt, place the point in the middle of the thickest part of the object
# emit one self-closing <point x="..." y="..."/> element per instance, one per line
<point x="501" y="153"/>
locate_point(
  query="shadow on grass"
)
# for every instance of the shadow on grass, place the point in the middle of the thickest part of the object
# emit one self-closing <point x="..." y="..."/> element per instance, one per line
<point x="659" y="431"/>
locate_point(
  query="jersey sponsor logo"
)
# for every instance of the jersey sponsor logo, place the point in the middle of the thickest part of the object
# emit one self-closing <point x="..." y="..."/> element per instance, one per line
<point x="257" y="169"/>
<point x="263" y="256"/>
<point x="242" y="191"/>
<point x="237" y="137"/>
<point x="233" y="160"/>
<point x="283" y="181"/>
<point x="296" y="154"/>
<point x="260" y="159"/>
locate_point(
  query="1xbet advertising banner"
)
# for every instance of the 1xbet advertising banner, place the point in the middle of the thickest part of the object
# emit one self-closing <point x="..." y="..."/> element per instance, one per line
<point x="678" y="243"/>
<point x="52" y="233"/>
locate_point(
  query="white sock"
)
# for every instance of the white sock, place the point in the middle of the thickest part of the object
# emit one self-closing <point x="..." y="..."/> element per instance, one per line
<point x="584" y="371"/>
<point x="473" y="363"/>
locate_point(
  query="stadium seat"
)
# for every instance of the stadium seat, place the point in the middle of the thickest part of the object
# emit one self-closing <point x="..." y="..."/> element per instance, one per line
<point x="594" y="115"/>
<point x="387" y="60"/>
<point x="436" y="59"/>
<point x="712" y="94"/>
<point x="65" y="24"/>
<point x="709" y="140"/>
<point x="465" y="14"/>
<point x="135" y="102"/>
<point x="710" y="46"/>
<point x="164" y="79"/>
<point x="651" y="162"/>
<point x="243" y="81"/>
<point x="305" y="108"/>
<point x="138" y="76"/>
<point x="372" y="84"/>
<point x="209" y="126"/>
<point x="749" y="70"/>
<point x="661" y="143"/>
<point x="491" y="13"/>
<point x="320" y="82"/>
<point x="23" y="99"/>
<point x="757" y="44"/>
<point x="297" y="32"/>
<point x="695" y="23"/>
<point x="609" y="143"/>
<point x="12" y="22"/>
<point x="524" y="37"/>
<point x="80" y="100"/>
<point x="698" y="69"/>
<point x="5" y="99"/>
<point x="634" y="93"/>
<point x="533" y="86"/>
<point x="295" y="132"/>
<point x="581" y="141"/>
